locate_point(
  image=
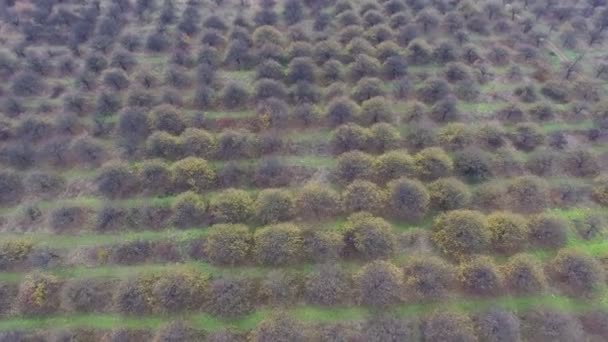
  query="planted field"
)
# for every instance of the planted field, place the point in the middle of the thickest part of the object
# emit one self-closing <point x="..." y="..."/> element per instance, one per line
<point x="235" y="170"/>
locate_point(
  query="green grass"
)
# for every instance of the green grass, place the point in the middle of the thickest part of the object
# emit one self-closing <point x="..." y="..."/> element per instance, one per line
<point x="241" y="114"/>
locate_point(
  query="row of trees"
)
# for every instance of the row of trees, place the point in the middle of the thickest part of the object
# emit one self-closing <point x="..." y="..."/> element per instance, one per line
<point x="377" y="284"/>
<point x="538" y="324"/>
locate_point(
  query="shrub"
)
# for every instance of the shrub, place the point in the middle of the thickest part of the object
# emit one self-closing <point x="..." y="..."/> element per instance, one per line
<point x="367" y="88"/>
<point x="274" y="205"/>
<point x="473" y="164"/>
<point x="279" y="327"/>
<point x="393" y="165"/>
<point x="199" y="143"/>
<point x="371" y="237"/>
<point x="327" y="285"/>
<point x="322" y="245"/>
<point x="179" y="291"/>
<point x="193" y="173"/>
<point x="177" y="331"/>
<point x="270" y="69"/>
<point x="591" y="227"/>
<point x="129" y="298"/>
<point x="524" y="275"/>
<point x="387" y="328"/>
<point x="363" y="195"/>
<point x="67" y="218"/>
<point x="509" y="232"/>
<point x="301" y="69"/>
<point x="133" y="125"/>
<point x="280" y="244"/>
<point x="379" y="284"/>
<point x="341" y="111"/>
<point x="349" y="137"/>
<point x="12" y="188"/>
<point x="432" y="163"/>
<point x="166" y="118"/>
<point x="230" y="297"/>
<point x="279" y="288"/>
<point x="581" y="163"/>
<point x="267" y="88"/>
<point x="232" y="206"/>
<point x="116" y="180"/>
<point x="497" y="325"/>
<point x="189" y="209"/>
<point x="548" y="231"/>
<point x="527" y="194"/>
<point x="600" y="190"/>
<point x="428" y="278"/>
<point x="354" y="165"/>
<point x="579" y="274"/>
<point x="317" y="201"/>
<point x="409" y="199"/>
<point x="38" y="295"/>
<point x="449" y="194"/>
<point x="84" y="295"/>
<point x="228" y="244"/>
<point x="460" y="232"/>
<point x="235" y="95"/>
<point x="155" y="177"/>
<point x="527" y="137"/>
<point x="480" y="276"/>
<point x="375" y="110"/>
<point x="448" y="326"/>
<point x="595" y="322"/>
<point x="363" y="66"/>
<point x="433" y="90"/>
<point x="163" y="145"/>
<point x="547" y="325"/>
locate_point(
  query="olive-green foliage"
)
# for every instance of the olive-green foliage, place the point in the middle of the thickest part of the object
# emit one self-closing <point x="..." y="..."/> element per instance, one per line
<point x="376" y="110"/>
<point x="315" y="200"/>
<point x="548" y="231"/>
<point x="198" y="142"/>
<point x="232" y="206"/>
<point x="279" y="244"/>
<point x="189" y="209"/>
<point x="527" y="194"/>
<point x="578" y="273"/>
<point x="449" y="194"/>
<point x="480" y="276"/>
<point x="454" y="136"/>
<point x="194" y="174"/>
<point x="432" y="163"/>
<point x="408" y="198"/>
<point x="274" y="205"/>
<point x="371" y="236"/>
<point x="228" y="244"/>
<point x="509" y="232"/>
<point x="448" y="326"/>
<point x="394" y="164"/>
<point x="428" y="277"/>
<point x="460" y="232"/>
<point x="38" y="294"/>
<point x="524" y="274"/>
<point x="380" y="284"/>
<point x="354" y="165"/>
<point x="600" y="190"/>
<point x="363" y="195"/>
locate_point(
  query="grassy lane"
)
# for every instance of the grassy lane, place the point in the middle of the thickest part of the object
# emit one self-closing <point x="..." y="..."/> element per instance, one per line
<point x="305" y="313"/>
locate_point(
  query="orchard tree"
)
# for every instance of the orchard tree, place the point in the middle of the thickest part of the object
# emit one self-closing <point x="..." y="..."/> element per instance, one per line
<point x="228" y="244"/>
<point x="409" y="199"/>
<point x="461" y="233"/>
<point x="379" y="284"/>
<point x="279" y="244"/>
